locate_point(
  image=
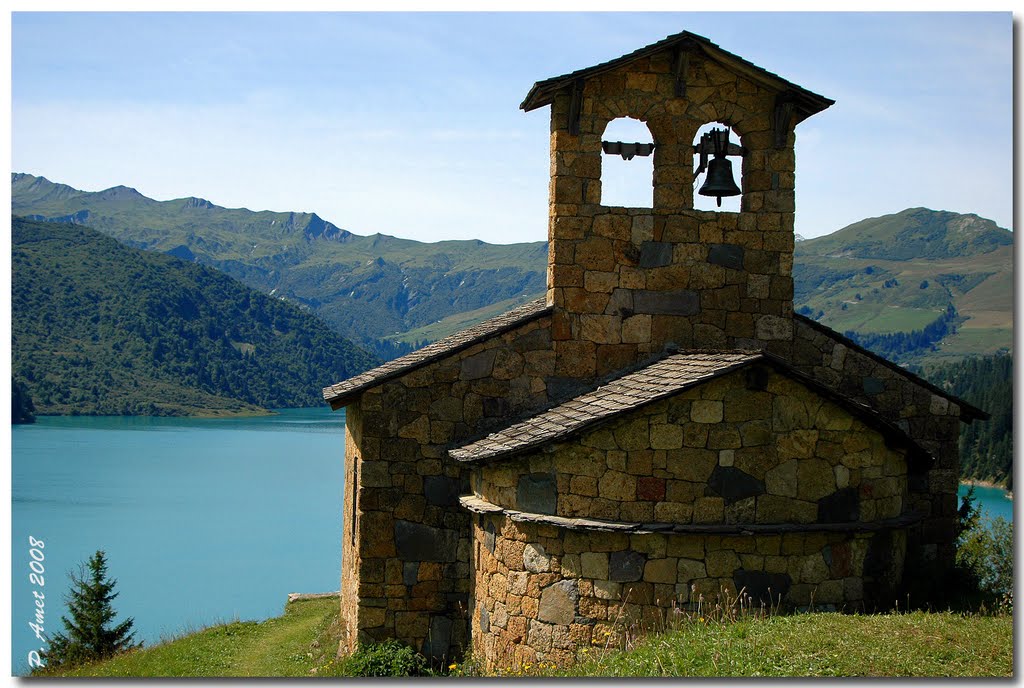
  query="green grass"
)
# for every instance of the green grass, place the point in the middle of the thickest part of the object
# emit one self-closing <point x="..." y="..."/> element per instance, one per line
<point x="819" y="644"/>
<point x="304" y="640"/>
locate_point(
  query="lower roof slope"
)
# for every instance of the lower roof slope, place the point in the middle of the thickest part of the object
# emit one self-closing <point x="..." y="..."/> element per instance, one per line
<point x="342" y="393"/>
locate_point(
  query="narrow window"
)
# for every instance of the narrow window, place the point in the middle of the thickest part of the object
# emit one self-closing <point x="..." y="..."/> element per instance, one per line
<point x="627" y="170"/>
<point x="355" y="498"/>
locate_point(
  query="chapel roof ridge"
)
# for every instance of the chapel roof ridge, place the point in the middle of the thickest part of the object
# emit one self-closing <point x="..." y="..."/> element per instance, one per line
<point x="542" y="93"/>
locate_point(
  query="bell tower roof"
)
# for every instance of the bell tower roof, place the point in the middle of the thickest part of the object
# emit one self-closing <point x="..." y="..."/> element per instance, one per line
<point x="806" y="103"/>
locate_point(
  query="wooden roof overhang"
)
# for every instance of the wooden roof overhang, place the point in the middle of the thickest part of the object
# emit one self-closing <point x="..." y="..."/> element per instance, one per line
<point x="792" y="100"/>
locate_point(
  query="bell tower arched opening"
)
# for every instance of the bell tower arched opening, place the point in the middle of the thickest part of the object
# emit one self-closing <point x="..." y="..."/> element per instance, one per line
<point x="627" y="164"/>
<point x="723" y="168"/>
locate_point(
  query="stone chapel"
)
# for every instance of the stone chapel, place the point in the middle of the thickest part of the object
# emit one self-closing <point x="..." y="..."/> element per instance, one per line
<point x="661" y="426"/>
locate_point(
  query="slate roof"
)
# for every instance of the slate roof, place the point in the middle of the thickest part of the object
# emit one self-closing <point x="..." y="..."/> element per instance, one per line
<point x="659" y="380"/>
<point x="656" y="381"/>
<point x="807" y="102"/>
<point x="968" y="412"/>
<point x="342" y="393"/>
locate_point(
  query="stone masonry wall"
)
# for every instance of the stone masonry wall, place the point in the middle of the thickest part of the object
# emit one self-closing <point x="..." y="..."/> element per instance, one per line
<point x="543" y="593"/>
<point x="932" y="420"/>
<point x="717" y="453"/>
<point x="406" y="546"/>
<point x="627" y="281"/>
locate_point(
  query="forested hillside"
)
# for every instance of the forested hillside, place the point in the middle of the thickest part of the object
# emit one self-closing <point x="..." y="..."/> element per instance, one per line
<point x="101" y="328"/>
<point x="986" y="447"/>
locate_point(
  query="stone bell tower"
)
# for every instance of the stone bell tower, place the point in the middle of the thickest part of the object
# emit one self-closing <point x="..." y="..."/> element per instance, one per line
<point x="627" y="282"/>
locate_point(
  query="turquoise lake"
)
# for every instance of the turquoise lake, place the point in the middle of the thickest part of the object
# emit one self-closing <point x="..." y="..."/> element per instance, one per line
<point x="202" y="521"/>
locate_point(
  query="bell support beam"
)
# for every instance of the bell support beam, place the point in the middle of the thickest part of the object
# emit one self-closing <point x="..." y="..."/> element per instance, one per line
<point x="681" y="69"/>
<point x="575" y="107"/>
<point x="733" y="149"/>
<point x="782" y="114"/>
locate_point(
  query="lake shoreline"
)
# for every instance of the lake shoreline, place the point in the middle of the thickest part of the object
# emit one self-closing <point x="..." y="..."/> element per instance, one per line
<point x="988" y="483"/>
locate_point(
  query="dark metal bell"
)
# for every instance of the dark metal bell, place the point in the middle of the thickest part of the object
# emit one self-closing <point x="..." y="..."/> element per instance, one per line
<point x="719" y="181"/>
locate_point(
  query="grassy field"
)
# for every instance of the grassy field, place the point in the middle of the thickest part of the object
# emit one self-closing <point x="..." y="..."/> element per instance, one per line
<point x="297" y="643"/>
<point x="303" y="641"/>
<point x="820" y="644"/>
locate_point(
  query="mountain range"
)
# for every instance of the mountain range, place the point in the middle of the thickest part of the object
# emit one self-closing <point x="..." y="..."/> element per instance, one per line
<point x="943" y="277"/>
<point x="368" y="288"/>
<point x="903" y="272"/>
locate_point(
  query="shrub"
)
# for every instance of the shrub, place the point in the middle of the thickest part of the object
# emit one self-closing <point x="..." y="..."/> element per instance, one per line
<point x="90" y="633"/>
<point x="986" y="553"/>
<point x="390" y="658"/>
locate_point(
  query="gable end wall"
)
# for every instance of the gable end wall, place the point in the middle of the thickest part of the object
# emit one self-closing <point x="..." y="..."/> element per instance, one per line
<point x="405" y="552"/>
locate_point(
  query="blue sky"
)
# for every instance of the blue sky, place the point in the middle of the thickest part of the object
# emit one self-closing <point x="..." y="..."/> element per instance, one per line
<point x="409" y="123"/>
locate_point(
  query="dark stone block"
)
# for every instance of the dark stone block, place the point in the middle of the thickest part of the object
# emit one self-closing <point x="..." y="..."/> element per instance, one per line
<point x="538" y="340"/>
<point x="488" y="535"/>
<point x="398" y="449"/>
<point x="458" y="600"/>
<point x="766" y="588"/>
<point x="675" y="302"/>
<point x="726" y="255"/>
<point x="655" y="254"/>
<point x="839" y="558"/>
<point x="485" y="620"/>
<point x="631" y="254"/>
<point x="757" y="377"/>
<point x="732" y="484"/>
<point x="878" y="559"/>
<point x="839" y="507"/>
<point x="873" y="386"/>
<point x="417" y="542"/>
<point x="620" y="303"/>
<point x="496" y="407"/>
<point x="625" y="566"/>
<point x="440" y="490"/>
<point x="537" y="492"/>
<point x="411" y="572"/>
<point x="479" y="365"/>
<point x="439" y="638"/>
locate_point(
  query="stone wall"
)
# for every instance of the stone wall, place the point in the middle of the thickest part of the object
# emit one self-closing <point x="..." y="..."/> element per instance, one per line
<point x="930" y="418"/>
<point x="721" y="452"/>
<point x="752" y="449"/>
<point x="626" y="282"/>
<point x="406" y="544"/>
<point x="543" y="593"/>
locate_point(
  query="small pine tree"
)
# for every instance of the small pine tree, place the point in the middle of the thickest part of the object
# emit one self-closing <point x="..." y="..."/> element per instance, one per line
<point x="88" y="634"/>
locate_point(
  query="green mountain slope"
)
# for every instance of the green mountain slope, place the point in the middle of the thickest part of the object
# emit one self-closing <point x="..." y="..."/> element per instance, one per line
<point x="901" y="272"/>
<point x="101" y="328"/>
<point x="365" y="287"/>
